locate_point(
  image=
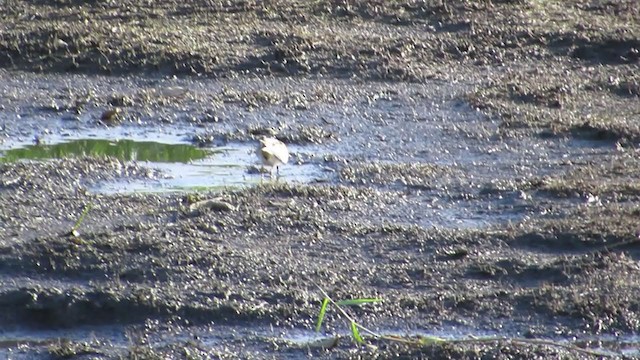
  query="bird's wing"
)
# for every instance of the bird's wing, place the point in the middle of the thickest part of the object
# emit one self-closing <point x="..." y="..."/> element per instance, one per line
<point x="267" y="155"/>
<point x="278" y="151"/>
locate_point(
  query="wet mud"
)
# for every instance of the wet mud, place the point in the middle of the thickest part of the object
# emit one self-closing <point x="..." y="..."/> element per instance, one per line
<point x="474" y="165"/>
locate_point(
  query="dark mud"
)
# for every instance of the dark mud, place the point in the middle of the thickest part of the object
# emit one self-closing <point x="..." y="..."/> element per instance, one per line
<point x="479" y="174"/>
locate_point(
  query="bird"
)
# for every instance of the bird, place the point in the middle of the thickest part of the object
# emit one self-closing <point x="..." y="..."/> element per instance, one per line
<point x="273" y="153"/>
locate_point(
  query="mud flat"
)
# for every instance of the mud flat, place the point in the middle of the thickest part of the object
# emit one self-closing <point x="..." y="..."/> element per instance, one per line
<point x="473" y="164"/>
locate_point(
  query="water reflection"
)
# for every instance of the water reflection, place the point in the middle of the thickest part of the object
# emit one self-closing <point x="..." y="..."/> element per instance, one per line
<point x="126" y="150"/>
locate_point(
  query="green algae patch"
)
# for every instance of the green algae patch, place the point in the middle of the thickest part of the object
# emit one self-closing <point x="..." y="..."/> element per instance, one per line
<point x="125" y="150"/>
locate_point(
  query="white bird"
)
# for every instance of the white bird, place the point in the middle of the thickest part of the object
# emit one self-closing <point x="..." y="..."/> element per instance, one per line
<point x="273" y="153"/>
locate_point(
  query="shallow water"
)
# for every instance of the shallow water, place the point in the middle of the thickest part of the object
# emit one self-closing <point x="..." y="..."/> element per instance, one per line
<point x="21" y="343"/>
<point x="182" y="166"/>
<point x="373" y="123"/>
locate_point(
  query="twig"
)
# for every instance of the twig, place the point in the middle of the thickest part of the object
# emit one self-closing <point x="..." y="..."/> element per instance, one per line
<point x="531" y="342"/>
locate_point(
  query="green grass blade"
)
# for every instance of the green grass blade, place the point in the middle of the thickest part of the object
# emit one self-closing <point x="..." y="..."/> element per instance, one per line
<point x="85" y="211"/>
<point x="356" y="333"/>
<point x="323" y="310"/>
<point x="356" y="302"/>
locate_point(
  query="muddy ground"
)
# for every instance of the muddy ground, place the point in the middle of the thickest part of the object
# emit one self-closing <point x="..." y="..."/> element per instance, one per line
<point x="537" y="104"/>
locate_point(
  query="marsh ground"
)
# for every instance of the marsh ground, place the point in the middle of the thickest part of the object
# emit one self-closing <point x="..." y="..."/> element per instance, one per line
<point x="480" y="176"/>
